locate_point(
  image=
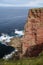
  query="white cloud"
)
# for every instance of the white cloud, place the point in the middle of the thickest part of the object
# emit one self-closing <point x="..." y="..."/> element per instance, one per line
<point x="31" y="3"/>
<point x="6" y="5"/>
<point x="12" y="5"/>
<point x="35" y="3"/>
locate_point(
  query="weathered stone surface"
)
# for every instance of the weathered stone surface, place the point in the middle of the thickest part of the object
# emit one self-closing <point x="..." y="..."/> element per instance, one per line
<point x="16" y="43"/>
<point x="33" y="37"/>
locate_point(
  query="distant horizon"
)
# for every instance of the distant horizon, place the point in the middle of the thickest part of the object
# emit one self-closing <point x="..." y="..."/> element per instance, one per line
<point x="22" y="6"/>
<point x="21" y="3"/>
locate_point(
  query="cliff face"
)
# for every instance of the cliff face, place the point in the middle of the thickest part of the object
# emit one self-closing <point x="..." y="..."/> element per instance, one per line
<point x="33" y="38"/>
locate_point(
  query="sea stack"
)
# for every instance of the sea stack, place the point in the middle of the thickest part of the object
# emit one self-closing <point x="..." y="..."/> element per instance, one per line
<point x="32" y="40"/>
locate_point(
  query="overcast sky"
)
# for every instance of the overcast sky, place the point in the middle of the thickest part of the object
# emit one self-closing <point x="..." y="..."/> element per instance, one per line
<point x="21" y="3"/>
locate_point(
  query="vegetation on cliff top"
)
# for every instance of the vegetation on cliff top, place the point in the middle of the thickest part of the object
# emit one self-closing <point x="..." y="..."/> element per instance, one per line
<point x="26" y="61"/>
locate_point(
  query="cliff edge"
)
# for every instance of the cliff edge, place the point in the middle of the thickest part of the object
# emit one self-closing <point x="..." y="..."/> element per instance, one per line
<point x="32" y="40"/>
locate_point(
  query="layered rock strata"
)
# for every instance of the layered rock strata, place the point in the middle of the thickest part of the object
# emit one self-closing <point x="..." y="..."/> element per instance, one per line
<point x="32" y="40"/>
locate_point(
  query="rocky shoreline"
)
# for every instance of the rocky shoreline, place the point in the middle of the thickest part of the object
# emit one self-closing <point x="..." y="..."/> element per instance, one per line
<point x="31" y="44"/>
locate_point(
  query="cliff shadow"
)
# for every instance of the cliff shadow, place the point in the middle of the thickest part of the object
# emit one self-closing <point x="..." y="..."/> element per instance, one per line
<point x="34" y="51"/>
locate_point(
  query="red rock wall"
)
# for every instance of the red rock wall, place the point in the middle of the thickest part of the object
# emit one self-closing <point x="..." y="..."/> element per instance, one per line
<point x="33" y="30"/>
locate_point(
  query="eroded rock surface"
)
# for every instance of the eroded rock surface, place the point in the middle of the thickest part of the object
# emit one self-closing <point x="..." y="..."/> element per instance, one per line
<point x="32" y="41"/>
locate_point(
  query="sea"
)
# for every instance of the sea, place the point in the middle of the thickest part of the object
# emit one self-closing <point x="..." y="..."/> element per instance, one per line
<point x="12" y="18"/>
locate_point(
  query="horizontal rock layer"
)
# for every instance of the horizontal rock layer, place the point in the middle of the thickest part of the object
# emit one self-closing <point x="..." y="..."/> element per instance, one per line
<point x="33" y="37"/>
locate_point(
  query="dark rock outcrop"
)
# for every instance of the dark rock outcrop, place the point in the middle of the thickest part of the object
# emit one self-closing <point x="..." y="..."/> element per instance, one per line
<point x="5" y="50"/>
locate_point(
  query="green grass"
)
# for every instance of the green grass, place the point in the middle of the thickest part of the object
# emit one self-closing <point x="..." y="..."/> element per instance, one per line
<point x="26" y="61"/>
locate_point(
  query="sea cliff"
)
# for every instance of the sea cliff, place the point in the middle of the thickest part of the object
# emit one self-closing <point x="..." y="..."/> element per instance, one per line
<point x="32" y="40"/>
<point x="31" y="44"/>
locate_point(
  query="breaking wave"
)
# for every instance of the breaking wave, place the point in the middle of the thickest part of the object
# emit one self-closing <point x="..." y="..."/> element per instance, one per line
<point x="7" y="38"/>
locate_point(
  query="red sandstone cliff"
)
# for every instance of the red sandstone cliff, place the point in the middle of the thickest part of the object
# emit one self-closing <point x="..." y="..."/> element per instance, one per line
<point x="33" y="38"/>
